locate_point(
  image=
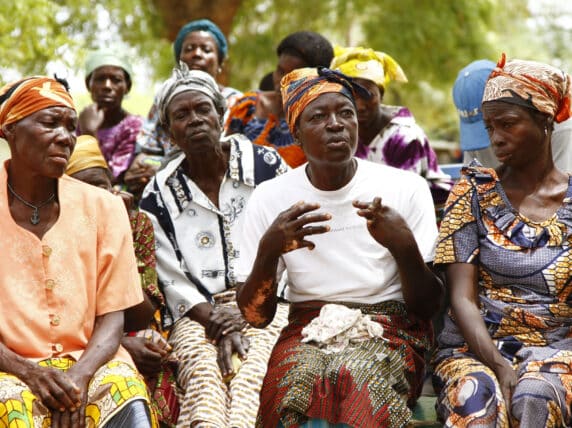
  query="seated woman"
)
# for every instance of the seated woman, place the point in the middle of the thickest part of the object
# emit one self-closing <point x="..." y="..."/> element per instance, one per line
<point x="146" y="341"/>
<point x="108" y="79"/>
<point x="196" y="202"/>
<point x="389" y="134"/>
<point x="356" y="239"/>
<point x="202" y="46"/>
<point x="259" y="115"/>
<point x="505" y="351"/>
<point x="69" y="274"/>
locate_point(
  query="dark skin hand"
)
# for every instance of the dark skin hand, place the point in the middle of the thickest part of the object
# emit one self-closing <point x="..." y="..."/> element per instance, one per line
<point x="139" y="174"/>
<point x="102" y="346"/>
<point x="463" y="288"/>
<point x="147" y="355"/>
<point x="91" y="118"/>
<point x="422" y="289"/>
<point x="65" y="393"/>
<point x="223" y="328"/>
<point x="257" y="297"/>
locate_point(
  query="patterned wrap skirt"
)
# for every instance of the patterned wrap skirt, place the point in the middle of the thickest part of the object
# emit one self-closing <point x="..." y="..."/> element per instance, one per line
<point x="114" y="385"/>
<point x="366" y="385"/>
<point x="207" y="400"/>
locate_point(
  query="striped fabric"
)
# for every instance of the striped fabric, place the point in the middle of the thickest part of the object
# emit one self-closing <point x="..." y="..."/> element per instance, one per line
<point x="207" y="401"/>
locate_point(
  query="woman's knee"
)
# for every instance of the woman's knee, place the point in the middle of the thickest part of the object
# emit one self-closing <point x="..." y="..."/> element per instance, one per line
<point x="133" y="415"/>
<point x="472" y="392"/>
<point x="535" y="397"/>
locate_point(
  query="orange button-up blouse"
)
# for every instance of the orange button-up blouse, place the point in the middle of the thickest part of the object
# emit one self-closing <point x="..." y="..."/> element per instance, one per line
<point x="51" y="290"/>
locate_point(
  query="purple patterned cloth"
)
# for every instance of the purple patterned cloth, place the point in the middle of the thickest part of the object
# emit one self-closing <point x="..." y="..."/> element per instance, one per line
<point x="403" y="144"/>
<point x="118" y="143"/>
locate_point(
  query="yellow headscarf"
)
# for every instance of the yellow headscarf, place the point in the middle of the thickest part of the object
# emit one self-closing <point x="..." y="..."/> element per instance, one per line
<point x="86" y="154"/>
<point x="365" y="63"/>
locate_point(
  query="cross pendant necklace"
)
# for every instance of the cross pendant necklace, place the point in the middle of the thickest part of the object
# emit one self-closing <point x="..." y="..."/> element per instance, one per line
<point x="35" y="218"/>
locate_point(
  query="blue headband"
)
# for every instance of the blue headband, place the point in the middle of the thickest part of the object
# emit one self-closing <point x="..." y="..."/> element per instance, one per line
<point x="201" y="25"/>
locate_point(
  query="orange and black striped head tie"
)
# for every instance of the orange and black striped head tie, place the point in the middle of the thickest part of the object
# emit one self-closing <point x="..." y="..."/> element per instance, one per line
<point x="24" y="97"/>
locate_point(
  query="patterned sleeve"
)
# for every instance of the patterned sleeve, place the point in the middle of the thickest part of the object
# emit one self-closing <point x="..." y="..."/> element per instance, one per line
<point x="241" y="113"/>
<point x="458" y="240"/>
<point x="144" y="244"/>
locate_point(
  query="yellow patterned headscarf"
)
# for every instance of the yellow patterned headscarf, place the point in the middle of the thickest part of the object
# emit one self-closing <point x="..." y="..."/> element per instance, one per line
<point x="303" y="85"/>
<point x="86" y="154"/>
<point x="531" y="84"/>
<point x="365" y="63"/>
<point x="27" y="96"/>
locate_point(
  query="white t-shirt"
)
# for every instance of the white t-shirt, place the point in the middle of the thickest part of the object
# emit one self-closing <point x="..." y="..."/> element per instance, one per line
<point x="347" y="264"/>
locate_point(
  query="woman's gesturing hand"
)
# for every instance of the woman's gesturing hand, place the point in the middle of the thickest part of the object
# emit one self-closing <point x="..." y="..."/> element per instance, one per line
<point x="384" y="224"/>
<point x="290" y="229"/>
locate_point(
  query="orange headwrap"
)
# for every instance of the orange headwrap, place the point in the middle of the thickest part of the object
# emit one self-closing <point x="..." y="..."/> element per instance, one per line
<point x="531" y="84"/>
<point x="302" y="86"/>
<point x="24" y="97"/>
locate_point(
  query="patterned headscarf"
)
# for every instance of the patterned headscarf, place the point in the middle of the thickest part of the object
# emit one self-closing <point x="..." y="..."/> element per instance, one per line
<point x="27" y="96"/>
<point x="367" y="64"/>
<point x="183" y="80"/>
<point x="531" y="84"/>
<point x="86" y="154"/>
<point x="302" y="86"/>
<point x="201" y="25"/>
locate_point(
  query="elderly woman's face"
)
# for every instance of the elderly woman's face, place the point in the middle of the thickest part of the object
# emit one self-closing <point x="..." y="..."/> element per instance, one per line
<point x="194" y="123"/>
<point x="43" y="141"/>
<point x="327" y="129"/>
<point x="200" y="52"/>
<point x="516" y="137"/>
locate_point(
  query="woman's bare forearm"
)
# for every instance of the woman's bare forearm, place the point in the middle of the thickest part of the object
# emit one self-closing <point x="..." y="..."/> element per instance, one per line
<point x="257" y="296"/>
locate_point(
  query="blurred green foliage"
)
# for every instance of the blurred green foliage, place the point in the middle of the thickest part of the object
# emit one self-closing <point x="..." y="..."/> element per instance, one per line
<point x="432" y="40"/>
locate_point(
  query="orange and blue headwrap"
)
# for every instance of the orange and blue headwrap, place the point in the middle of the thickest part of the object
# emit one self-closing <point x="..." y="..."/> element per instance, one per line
<point x="27" y="96"/>
<point x="302" y="86"/>
<point x="531" y="84"/>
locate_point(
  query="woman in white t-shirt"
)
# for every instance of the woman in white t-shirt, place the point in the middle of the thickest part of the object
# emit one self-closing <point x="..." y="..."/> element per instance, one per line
<point x="356" y="240"/>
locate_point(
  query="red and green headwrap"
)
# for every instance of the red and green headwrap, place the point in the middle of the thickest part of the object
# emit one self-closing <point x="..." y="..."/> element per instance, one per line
<point x="302" y="86"/>
<point x="27" y="96"/>
<point x="531" y="84"/>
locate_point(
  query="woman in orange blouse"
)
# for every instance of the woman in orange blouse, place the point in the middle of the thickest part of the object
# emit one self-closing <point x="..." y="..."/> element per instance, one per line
<point x="67" y="273"/>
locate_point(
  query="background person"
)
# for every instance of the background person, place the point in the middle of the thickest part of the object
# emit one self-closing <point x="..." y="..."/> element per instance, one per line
<point x="259" y="114"/>
<point x="389" y="134"/>
<point x="312" y="222"/>
<point x="196" y="202"/>
<point x="145" y="340"/>
<point x="468" y="95"/>
<point x="108" y="79"/>
<point x="504" y="354"/>
<point x="71" y="265"/>
<point x="201" y="45"/>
